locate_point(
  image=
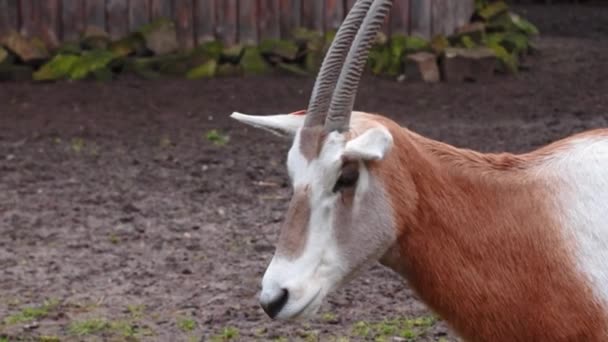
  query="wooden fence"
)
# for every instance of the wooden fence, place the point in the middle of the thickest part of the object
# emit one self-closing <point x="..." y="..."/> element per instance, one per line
<point x="232" y="21"/>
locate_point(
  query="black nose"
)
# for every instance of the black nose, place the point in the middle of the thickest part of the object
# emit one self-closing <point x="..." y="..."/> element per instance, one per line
<point x="273" y="306"/>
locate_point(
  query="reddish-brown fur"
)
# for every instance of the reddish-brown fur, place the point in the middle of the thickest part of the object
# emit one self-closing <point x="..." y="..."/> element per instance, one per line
<point x="477" y="241"/>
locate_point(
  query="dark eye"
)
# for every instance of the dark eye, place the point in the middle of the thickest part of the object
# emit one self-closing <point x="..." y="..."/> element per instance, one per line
<point x="348" y="176"/>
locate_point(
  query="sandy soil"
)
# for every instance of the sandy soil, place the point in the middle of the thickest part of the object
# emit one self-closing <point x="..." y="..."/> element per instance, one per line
<point x="116" y="206"/>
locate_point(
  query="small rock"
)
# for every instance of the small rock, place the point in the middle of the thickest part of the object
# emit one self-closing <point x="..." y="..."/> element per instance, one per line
<point x="427" y="68"/>
<point x="94" y="31"/>
<point x="95" y="38"/>
<point x="468" y="64"/>
<point x="31" y="326"/>
<point x="96" y="42"/>
<point x="161" y="37"/>
<point x="132" y="44"/>
<point x="28" y="50"/>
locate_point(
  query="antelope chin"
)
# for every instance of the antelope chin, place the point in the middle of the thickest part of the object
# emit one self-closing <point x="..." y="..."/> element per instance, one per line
<point x="303" y="309"/>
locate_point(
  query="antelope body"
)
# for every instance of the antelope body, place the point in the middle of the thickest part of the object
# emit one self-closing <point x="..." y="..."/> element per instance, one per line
<point x="504" y="247"/>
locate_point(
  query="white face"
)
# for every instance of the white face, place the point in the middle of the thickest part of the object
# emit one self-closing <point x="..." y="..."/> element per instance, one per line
<point x="339" y="220"/>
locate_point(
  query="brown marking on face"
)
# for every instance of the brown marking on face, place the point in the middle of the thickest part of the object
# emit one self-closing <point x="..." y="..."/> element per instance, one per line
<point x="311" y="141"/>
<point x="294" y="231"/>
<point x="480" y="244"/>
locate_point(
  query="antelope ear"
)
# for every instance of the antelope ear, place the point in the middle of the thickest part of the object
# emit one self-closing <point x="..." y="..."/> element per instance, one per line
<point x="374" y="144"/>
<point x="280" y="124"/>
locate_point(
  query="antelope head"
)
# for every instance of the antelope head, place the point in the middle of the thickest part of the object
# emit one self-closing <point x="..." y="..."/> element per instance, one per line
<point x="339" y="219"/>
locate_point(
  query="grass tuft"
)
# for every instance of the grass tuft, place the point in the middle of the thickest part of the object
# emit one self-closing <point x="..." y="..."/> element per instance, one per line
<point x="407" y="328"/>
<point x="88" y="327"/>
<point x="186" y="324"/>
<point x="32" y="313"/>
<point x="217" y="138"/>
<point x="227" y="334"/>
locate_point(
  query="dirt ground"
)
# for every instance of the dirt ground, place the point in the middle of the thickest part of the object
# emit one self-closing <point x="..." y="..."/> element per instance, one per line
<point x="122" y="217"/>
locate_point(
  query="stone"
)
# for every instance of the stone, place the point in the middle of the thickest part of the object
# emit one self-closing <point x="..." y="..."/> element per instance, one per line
<point x="3" y="55"/>
<point x="474" y="30"/>
<point x="28" y="50"/>
<point x="160" y="37"/>
<point x="285" y="50"/>
<point x="426" y="66"/>
<point x="93" y="43"/>
<point x="205" y="70"/>
<point x="57" y="68"/>
<point x="94" y="37"/>
<point x="94" y="31"/>
<point x="233" y="54"/>
<point x="474" y="64"/>
<point x="133" y="44"/>
<point x="253" y="62"/>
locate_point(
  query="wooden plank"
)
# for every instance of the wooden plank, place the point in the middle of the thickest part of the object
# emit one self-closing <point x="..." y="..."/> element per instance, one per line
<point x="29" y="17"/>
<point x="269" y="19"/>
<point x="334" y="14"/>
<point x="248" y="17"/>
<point x="465" y="11"/>
<point x="95" y="12"/>
<point x="226" y="19"/>
<point x="118" y="19"/>
<point x="313" y="15"/>
<point x="72" y="19"/>
<point x="204" y="20"/>
<point x="438" y="17"/>
<point x="139" y="14"/>
<point x="350" y="4"/>
<point x="449" y="16"/>
<point x="420" y="18"/>
<point x="307" y="14"/>
<point x="400" y="17"/>
<point x="184" y="20"/>
<point x="48" y="29"/>
<point x="290" y="16"/>
<point x="8" y="16"/>
<point x="161" y="9"/>
<point x="318" y="22"/>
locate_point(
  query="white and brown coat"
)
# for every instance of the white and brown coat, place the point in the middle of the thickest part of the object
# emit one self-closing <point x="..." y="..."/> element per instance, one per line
<point x="504" y="247"/>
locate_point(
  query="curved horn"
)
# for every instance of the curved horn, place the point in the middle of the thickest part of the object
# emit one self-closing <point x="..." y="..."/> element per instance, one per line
<point x="332" y="64"/>
<point x="343" y="99"/>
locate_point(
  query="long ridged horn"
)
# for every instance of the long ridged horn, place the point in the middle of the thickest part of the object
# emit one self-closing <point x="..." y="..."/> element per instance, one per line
<point x="332" y="64"/>
<point x="338" y="118"/>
